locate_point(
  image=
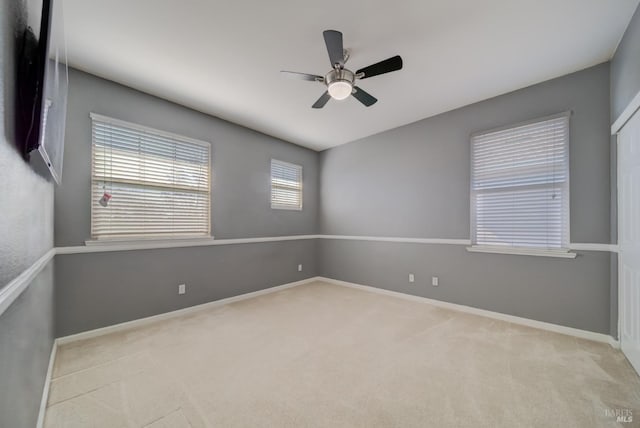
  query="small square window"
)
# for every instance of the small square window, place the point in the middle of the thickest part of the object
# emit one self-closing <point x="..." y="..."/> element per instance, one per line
<point x="286" y="185"/>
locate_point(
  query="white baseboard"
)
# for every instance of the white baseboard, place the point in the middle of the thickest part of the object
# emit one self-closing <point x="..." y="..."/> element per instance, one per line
<point x="570" y="331"/>
<point x="47" y="384"/>
<point x="167" y="315"/>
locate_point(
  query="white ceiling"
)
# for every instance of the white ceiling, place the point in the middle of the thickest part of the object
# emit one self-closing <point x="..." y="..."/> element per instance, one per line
<point x="224" y="57"/>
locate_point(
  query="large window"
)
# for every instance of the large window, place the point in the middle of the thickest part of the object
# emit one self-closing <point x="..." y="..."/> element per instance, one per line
<point x="520" y="185"/>
<point x="147" y="183"/>
<point x="286" y="185"/>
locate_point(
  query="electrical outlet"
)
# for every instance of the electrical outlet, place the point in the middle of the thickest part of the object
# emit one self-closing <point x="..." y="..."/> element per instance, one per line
<point x="182" y="288"/>
<point x="412" y="278"/>
<point x="300" y="267"/>
<point x="434" y="281"/>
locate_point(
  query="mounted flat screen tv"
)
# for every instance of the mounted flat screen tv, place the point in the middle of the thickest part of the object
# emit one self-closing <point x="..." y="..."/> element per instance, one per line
<point x="43" y="81"/>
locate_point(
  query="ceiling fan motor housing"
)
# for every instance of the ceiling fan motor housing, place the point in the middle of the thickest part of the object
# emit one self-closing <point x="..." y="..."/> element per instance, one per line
<point x="340" y="83"/>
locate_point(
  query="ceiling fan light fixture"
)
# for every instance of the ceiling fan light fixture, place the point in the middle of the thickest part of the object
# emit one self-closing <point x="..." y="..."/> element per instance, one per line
<point x="340" y="89"/>
<point x="341" y="82"/>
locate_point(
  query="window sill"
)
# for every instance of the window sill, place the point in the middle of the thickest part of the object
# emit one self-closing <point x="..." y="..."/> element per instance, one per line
<point x="148" y="243"/>
<point x="149" y="240"/>
<point x="286" y="208"/>
<point x="565" y="254"/>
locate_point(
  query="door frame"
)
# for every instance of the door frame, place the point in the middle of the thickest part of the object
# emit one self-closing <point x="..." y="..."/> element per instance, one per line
<point x="629" y="111"/>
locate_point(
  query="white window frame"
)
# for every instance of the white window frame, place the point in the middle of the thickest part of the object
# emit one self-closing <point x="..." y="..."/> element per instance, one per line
<point x="563" y="251"/>
<point x="298" y="168"/>
<point x="165" y="237"/>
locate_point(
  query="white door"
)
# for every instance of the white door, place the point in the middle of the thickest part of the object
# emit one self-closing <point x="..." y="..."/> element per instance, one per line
<point x="629" y="239"/>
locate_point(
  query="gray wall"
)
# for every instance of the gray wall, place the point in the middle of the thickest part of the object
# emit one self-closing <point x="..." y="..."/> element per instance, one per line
<point x="26" y="233"/>
<point x="625" y="68"/>
<point x="97" y="290"/>
<point x="413" y="181"/>
<point x="100" y="289"/>
<point x="240" y="158"/>
<point x="26" y="338"/>
<point x="26" y="199"/>
<point x="567" y="292"/>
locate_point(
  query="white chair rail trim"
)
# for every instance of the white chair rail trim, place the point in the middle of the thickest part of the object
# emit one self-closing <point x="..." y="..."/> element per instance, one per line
<point x="13" y="289"/>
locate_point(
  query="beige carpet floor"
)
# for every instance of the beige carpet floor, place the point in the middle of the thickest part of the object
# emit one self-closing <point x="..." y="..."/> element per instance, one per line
<point x="321" y="355"/>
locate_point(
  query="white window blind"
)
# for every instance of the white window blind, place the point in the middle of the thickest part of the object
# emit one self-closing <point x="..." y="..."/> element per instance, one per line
<point x="158" y="182"/>
<point x="286" y="185"/>
<point x="520" y="185"/>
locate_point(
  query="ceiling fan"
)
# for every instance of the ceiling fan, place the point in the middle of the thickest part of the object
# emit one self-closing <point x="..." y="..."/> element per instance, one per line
<point x="340" y="82"/>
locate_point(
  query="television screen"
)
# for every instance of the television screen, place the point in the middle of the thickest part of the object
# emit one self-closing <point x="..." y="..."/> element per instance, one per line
<point x="43" y="86"/>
